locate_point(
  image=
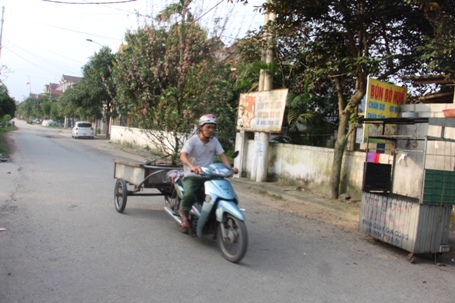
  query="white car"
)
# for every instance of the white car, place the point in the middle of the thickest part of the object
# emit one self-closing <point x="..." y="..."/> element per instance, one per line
<point x="83" y="130"/>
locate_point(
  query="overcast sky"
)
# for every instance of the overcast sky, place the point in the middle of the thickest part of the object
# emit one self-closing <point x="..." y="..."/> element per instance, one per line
<point x="45" y="39"/>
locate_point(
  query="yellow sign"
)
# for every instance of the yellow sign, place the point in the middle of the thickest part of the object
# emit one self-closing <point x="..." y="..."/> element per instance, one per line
<point x="383" y="100"/>
<point x="262" y="111"/>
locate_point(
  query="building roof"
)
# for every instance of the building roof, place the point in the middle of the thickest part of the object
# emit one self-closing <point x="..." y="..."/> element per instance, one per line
<point x="444" y="95"/>
<point x="71" y="79"/>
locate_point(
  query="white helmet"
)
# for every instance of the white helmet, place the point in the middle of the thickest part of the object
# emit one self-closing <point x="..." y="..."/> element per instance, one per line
<point x="208" y="118"/>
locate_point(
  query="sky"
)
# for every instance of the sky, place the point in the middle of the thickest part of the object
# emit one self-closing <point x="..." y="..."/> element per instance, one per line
<point x="41" y="40"/>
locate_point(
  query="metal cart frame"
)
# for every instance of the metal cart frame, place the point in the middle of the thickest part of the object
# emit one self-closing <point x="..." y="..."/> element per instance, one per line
<point x="141" y="176"/>
<point x="418" y="224"/>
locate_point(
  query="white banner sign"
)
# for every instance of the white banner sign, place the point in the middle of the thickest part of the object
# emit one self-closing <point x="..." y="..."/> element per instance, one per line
<point x="262" y="111"/>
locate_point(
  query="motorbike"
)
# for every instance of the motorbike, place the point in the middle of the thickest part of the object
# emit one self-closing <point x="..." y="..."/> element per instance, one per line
<point x="216" y="211"/>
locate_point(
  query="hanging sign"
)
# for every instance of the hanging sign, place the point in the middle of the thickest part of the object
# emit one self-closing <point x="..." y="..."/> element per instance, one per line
<point x="262" y="111"/>
<point x="383" y="100"/>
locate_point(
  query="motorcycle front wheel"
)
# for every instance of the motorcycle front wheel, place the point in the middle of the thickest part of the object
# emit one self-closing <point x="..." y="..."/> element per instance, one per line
<point x="235" y="242"/>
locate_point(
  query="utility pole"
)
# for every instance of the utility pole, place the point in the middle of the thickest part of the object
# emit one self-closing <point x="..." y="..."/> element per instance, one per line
<point x="259" y="164"/>
<point x="1" y="30"/>
<point x="261" y="139"/>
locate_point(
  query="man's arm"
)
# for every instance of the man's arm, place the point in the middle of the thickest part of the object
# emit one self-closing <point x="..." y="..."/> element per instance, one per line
<point x="186" y="161"/>
<point x="226" y="162"/>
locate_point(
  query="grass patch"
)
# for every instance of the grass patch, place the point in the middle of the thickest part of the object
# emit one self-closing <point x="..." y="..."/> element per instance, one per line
<point x="4" y="148"/>
<point x="273" y="196"/>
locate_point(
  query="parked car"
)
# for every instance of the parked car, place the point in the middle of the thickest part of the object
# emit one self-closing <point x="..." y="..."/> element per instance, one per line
<point x="47" y="123"/>
<point x="82" y="130"/>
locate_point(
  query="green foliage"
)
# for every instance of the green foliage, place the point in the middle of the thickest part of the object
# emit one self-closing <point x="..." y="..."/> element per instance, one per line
<point x="71" y="102"/>
<point x="439" y="49"/>
<point x="355" y="39"/>
<point x="30" y="108"/>
<point x="4" y="148"/>
<point x="98" y="87"/>
<point x="311" y="118"/>
<point x="7" y="104"/>
<point x="168" y="76"/>
<point x="337" y="44"/>
<point x="55" y="113"/>
<point x="311" y="113"/>
<point x="37" y="108"/>
<point x="6" y="118"/>
<point x="46" y="109"/>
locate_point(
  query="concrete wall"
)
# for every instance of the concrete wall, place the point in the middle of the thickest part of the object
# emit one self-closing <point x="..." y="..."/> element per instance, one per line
<point x="309" y="166"/>
<point x="153" y="140"/>
<point x="129" y="136"/>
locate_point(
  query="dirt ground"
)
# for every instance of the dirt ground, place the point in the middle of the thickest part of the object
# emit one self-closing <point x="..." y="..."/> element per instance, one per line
<point x="296" y="201"/>
<point x="10" y="143"/>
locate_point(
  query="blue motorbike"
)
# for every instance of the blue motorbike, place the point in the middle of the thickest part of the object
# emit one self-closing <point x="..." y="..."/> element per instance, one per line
<point x="216" y="212"/>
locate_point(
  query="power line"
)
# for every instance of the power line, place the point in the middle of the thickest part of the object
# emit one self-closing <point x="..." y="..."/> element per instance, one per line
<point x="41" y="58"/>
<point x="71" y="30"/>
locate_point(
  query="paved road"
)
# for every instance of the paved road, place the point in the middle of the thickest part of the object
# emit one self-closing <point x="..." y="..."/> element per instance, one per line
<point x="64" y="242"/>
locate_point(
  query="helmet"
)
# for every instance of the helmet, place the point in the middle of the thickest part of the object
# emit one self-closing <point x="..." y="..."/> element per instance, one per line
<point x="208" y="118"/>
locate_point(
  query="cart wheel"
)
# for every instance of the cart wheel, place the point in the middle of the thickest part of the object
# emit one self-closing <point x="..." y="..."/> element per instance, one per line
<point x="120" y="195"/>
<point x="411" y="258"/>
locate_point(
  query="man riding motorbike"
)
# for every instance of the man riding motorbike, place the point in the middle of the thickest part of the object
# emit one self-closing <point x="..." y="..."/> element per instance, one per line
<point x="199" y="151"/>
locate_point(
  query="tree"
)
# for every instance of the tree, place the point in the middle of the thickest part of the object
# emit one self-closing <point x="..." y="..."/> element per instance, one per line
<point x="310" y="113"/>
<point x="439" y="48"/>
<point x="347" y="41"/>
<point x="7" y="104"/>
<point x="311" y="117"/>
<point x="31" y="108"/>
<point x="169" y="74"/>
<point x="98" y="86"/>
<point x="45" y="104"/>
<point x="55" y="114"/>
<point x="70" y="103"/>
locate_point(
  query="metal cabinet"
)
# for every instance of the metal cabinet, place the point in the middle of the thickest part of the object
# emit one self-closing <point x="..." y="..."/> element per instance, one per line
<point x="407" y="201"/>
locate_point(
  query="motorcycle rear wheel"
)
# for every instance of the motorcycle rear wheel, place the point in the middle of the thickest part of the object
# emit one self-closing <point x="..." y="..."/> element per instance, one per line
<point x="173" y="200"/>
<point x="235" y="244"/>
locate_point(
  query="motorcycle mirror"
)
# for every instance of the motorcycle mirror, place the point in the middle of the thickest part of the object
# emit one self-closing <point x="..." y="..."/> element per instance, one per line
<point x="236" y="153"/>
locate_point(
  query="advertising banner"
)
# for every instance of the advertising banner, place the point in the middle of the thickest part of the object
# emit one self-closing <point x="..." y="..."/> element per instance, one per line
<point x="383" y="100"/>
<point x="262" y="111"/>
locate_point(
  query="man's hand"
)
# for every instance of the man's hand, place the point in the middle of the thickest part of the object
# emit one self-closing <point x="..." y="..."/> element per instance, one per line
<point x="235" y="170"/>
<point x="197" y="170"/>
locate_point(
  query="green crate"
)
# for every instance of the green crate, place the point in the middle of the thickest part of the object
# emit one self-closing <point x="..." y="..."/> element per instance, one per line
<point x="439" y="187"/>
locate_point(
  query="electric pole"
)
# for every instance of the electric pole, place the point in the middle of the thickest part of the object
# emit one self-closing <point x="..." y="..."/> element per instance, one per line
<point x="1" y="30"/>
<point x="261" y="139"/>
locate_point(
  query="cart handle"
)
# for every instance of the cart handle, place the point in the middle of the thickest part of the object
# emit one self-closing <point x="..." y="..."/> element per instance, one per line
<point x="154" y="173"/>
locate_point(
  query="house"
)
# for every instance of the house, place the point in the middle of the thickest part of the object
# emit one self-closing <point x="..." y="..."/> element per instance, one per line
<point x="68" y="81"/>
<point x="52" y="89"/>
<point x="57" y="89"/>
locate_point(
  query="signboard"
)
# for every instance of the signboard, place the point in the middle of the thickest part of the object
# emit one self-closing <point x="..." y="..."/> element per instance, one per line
<point x="383" y="100"/>
<point x="262" y="111"/>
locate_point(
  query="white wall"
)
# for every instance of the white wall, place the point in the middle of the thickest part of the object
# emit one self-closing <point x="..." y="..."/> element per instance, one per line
<point x="155" y="141"/>
<point x="129" y="136"/>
